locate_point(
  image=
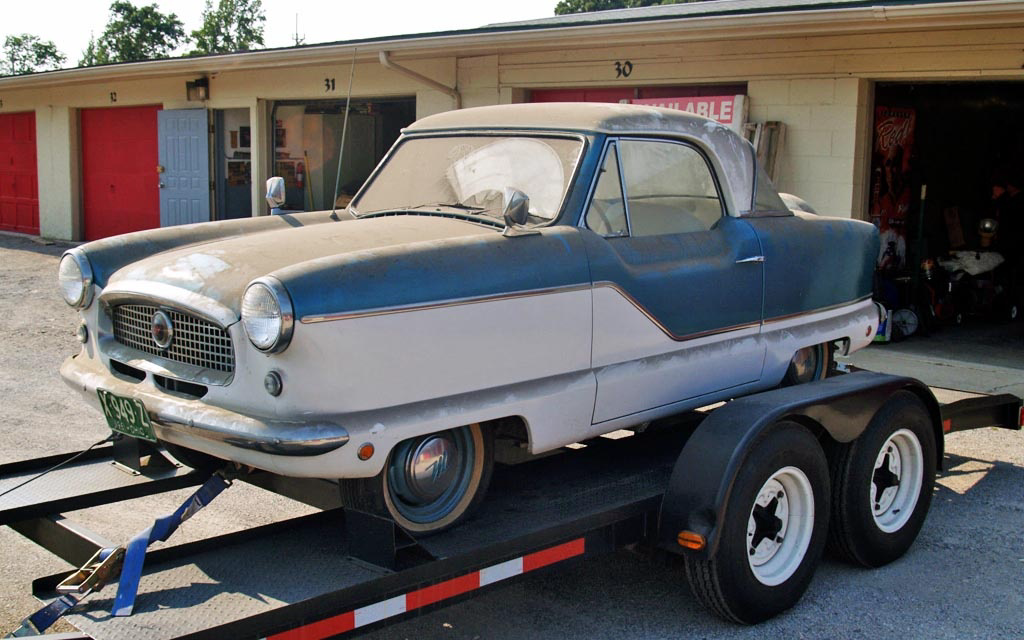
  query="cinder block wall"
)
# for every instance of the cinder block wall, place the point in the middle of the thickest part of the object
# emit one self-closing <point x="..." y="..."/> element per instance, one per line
<point x="827" y="138"/>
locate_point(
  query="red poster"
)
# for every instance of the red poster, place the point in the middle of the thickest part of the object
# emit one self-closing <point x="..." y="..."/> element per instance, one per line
<point x="891" y="191"/>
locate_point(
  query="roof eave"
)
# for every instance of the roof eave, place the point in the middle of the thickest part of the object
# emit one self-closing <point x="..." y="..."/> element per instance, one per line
<point x="492" y="39"/>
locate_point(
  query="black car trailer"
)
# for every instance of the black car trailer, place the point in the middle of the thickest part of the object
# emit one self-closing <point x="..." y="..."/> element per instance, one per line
<point x="692" y="484"/>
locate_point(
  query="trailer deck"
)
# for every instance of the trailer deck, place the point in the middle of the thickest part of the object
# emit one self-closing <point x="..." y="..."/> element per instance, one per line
<point x="323" y="574"/>
<point x="284" y="575"/>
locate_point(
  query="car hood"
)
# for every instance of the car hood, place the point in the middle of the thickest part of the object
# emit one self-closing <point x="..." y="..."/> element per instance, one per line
<point x="221" y="269"/>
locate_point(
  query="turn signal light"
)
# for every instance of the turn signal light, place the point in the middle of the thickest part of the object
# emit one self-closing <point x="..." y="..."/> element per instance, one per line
<point x="1020" y="418"/>
<point x="691" y="540"/>
<point x="365" y="451"/>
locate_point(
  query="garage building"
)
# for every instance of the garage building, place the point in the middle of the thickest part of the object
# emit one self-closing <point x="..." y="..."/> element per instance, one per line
<point x="87" y="153"/>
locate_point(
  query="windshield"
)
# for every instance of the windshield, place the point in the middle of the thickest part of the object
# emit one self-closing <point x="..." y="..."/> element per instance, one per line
<point x="474" y="175"/>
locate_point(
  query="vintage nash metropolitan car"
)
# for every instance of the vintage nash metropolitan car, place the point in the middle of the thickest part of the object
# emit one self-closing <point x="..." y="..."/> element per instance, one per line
<point x="522" y="276"/>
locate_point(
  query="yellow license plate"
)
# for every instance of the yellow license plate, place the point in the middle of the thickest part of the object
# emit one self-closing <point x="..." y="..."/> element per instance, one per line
<point x="126" y="415"/>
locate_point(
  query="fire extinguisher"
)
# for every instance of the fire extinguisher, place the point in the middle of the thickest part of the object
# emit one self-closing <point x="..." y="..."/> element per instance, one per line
<point x="300" y="174"/>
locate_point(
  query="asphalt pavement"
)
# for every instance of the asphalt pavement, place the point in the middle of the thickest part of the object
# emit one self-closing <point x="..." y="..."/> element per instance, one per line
<point x="961" y="579"/>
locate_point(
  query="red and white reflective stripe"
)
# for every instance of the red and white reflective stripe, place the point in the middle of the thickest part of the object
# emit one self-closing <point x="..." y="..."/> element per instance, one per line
<point x="434" y="593"/>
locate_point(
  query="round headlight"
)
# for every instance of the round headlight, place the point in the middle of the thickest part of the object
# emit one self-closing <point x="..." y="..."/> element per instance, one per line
<point x="267" y="315"/>
<point x="74" y="276"/>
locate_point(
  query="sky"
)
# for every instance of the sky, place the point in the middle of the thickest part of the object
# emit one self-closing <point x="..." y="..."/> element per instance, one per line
<point x="69" y="23"/>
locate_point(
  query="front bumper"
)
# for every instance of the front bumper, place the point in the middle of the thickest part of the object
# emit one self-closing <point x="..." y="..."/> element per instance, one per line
<point x="194" y="419"/>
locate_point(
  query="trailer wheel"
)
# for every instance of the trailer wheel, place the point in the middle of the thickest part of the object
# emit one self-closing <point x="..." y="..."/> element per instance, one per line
<point x="430" y="483"/>
<point x="809" y="364"/>
<point x="882" y="484"/>
<point x="774" y="531"/>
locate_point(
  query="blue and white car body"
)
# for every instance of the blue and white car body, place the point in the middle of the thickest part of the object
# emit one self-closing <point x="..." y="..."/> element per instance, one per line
<point x="621" y="298"/>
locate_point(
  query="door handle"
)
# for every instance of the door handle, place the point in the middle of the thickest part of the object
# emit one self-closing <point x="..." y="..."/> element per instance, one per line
<point x="751" y="259"/>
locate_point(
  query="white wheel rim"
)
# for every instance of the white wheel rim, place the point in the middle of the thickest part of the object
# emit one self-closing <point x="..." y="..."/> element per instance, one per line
<point x="780" y="526"/>
<point x="896" y="480"/>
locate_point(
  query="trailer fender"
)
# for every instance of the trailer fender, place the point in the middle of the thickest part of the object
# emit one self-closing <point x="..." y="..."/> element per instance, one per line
<point x="838" y="408"/>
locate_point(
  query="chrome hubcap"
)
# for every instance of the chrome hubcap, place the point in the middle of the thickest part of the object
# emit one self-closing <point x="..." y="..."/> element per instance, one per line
<point x="431" y="468"/>
<point x="428" y="477"/>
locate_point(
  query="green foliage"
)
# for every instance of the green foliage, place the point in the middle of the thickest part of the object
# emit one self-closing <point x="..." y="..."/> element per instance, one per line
<point x="133" y="34"/>
<point x="234" y="25"/>
<point x="584" y="6"/>
<point x="27" y="53"/>
<point x="94" y="54"/>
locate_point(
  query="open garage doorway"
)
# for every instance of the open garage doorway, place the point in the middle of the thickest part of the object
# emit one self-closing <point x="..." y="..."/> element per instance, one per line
<point x="307" y="140"/>
<point x="954" y="257"/>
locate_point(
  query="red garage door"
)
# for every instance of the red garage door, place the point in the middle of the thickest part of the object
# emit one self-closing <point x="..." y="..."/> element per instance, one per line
<point x="119" y="178"/>
<point x="19" y="187"/>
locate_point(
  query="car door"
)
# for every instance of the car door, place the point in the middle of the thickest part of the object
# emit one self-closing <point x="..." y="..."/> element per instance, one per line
<point x="678" y="283"/>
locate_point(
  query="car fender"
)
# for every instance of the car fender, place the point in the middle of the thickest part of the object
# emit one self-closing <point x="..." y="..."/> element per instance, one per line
<point x="837" y="408"/>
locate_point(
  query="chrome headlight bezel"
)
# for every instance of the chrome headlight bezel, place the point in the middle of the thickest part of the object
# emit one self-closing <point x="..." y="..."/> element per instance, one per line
<point x="85" y="296"/>
<point x="279" y="295"/>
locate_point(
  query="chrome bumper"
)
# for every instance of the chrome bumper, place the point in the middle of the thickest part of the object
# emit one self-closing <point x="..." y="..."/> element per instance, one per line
<point x="194" y="419"/>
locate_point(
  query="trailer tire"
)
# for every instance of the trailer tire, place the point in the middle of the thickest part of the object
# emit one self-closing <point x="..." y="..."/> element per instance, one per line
<point x="784" y="477"/>
<point x="882" y="484"/>
<point x="420" y="505"/>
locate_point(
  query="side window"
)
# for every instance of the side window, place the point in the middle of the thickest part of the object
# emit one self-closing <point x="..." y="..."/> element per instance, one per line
<point x="607" y="213"/>
<point x="766" y="198"/>
<point x="669" y="188"/>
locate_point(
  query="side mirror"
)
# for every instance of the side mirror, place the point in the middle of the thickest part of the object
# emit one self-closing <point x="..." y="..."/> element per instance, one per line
<point x="275" y="192"/>
<point x="517" y="212"/>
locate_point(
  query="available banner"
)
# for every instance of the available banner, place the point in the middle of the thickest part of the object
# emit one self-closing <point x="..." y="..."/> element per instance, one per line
<point x="891" y="191"/>
<point x="729" y="110"/>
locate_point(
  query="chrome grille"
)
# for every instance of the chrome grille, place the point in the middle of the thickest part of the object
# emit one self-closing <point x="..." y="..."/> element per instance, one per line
<point x="196" y="342"/>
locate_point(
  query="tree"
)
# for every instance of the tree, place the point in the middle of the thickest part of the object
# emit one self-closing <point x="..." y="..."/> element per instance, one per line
<point x="583" y="6"/>
<point x="27" y="53"/>
<point x="135" y="33"/>
<point x="234" y="25"/>
<point x="95" y="53"/>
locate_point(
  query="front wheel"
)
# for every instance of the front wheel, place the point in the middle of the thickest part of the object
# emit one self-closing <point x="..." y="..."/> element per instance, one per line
<point x="430" y="483"/>
<point x="774" y="531"/>
<point x="882" y="484"/>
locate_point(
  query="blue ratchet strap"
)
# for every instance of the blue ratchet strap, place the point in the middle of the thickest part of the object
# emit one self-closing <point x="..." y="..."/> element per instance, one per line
<point x="41" y="620"/>
<point x="135" y="552"/>
<point x="131" y="570"/>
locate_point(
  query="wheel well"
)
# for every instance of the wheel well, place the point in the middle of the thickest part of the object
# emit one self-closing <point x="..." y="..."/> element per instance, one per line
<point x="829" y="443"/>
<point x="511" y="439"/>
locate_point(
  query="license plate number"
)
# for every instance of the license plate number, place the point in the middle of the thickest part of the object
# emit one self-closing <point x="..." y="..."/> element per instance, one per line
<point x="126" y="415"/>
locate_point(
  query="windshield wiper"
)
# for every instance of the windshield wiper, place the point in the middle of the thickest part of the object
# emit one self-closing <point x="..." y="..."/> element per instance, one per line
<point x="450" y="205"/>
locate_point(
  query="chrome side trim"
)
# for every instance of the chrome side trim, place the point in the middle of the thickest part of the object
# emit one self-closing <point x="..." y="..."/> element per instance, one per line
<point x="455" y="302"/>
<point x="712" y="332"/>
<point x="832" y="307"/>
<point x="690" y="336"/>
